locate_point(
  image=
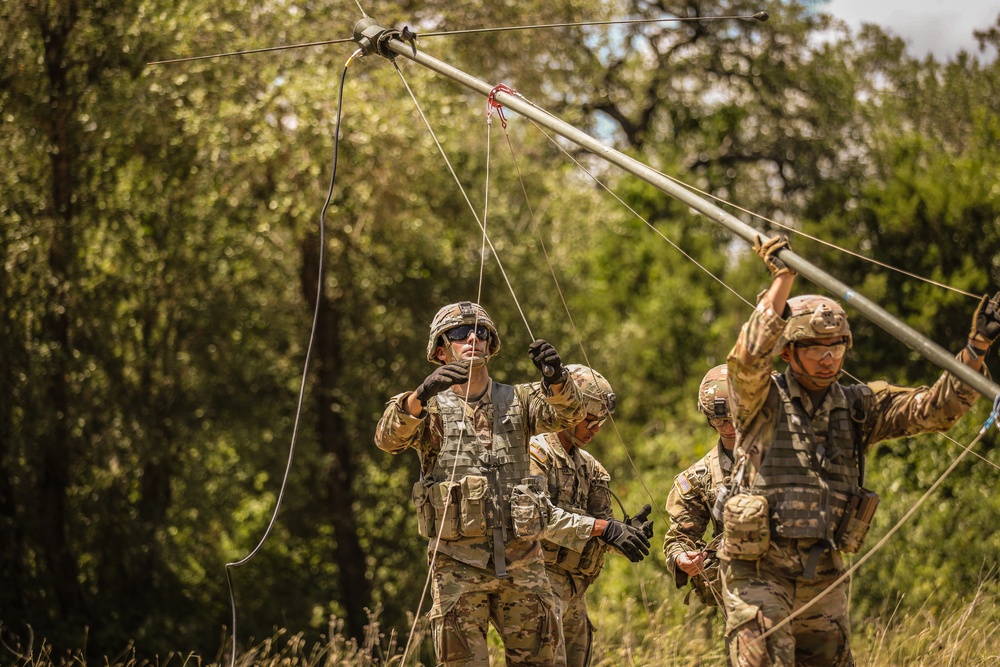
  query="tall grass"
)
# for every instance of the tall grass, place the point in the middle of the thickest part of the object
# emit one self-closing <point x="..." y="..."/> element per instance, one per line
<point x="965" y="634"/>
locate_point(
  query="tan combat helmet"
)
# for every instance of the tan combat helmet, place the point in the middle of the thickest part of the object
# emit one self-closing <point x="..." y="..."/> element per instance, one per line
<point x="598" y="396"/>
<point x="814" y="316"/>
<point x="713" y="394"/>
<point x="455" y="315"/>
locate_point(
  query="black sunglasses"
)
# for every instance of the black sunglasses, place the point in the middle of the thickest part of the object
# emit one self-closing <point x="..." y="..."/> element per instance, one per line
<point x="462" y="332"/>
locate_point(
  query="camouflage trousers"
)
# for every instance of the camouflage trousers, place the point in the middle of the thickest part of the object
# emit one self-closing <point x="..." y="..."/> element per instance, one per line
<point x="578" y="631"/>
<point x="759" y="594"/>
<point x="521" y="608"/>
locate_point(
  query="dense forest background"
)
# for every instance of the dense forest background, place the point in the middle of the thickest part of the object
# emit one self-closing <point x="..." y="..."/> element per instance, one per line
<point x="159" y="233"/>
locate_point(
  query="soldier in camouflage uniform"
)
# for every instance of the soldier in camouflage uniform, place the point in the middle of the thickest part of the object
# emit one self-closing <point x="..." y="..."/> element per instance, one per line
<point x="578" y="483"/>
<point x="695" y="500"/>
<point x="475" y="500"/>
<point x="799" y="501"/>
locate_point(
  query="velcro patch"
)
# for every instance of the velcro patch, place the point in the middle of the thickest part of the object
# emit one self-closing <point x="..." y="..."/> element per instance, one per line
<point x="539" y="454"/>
<point x="683" y="483"/>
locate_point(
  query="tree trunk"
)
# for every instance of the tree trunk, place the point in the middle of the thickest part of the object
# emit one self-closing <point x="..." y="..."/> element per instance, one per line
<point x="354" y="585"/>
<point x="57" y="448"/>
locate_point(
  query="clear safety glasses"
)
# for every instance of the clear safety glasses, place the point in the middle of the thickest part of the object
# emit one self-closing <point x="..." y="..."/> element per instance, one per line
<point x="818" y="351"/>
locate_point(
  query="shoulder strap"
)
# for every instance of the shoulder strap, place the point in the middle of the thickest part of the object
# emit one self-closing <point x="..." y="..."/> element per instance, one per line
<point x="857" y="396"/>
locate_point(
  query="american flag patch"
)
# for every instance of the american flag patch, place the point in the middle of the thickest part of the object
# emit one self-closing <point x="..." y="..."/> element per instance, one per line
<point x="683" y="483"/>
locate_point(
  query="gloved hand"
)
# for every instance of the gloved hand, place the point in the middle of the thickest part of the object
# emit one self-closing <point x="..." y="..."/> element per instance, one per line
<point x="547" y="360"/>
<point x="767" y="251"/>
<point x="442" y="378"/>
<point x="986" y="320"/>
<point x="630" y="541"/>
<point x="641" y="521"/>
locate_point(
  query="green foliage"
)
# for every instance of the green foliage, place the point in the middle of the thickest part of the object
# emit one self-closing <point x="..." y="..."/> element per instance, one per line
<point x="159" y="234"/>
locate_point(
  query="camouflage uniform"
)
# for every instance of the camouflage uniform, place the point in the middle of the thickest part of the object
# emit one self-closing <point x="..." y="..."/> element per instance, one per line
<point x="577" y="483"/>
<point x="781" y="441"/>
<point x="689" y="506"/>
<point x="466" y="591"/>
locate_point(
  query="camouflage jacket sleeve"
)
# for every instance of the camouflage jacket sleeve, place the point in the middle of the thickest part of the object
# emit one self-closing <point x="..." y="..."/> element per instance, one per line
<point x="902" y="411"/>
<point x="549" y="411"/>
<point x="565" y="528"/>
<point x="689" y="518"/>
<point x="750" y="364"/>
<point x="397" y="430"/>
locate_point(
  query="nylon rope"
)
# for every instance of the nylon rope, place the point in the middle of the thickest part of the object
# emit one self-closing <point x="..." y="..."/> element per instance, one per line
<point x="878" y="546"/>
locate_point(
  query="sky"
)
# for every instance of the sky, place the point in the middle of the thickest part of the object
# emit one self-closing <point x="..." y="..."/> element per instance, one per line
<point x="938" y="27"/>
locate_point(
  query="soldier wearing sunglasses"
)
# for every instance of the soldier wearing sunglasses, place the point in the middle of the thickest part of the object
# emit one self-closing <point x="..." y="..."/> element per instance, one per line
<point x="477" y="504"/>
<point x="579" y="484"/>
<point x="799" y="501"/>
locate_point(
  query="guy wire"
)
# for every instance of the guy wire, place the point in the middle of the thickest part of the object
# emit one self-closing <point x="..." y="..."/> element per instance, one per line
<point x="759" y="16"/>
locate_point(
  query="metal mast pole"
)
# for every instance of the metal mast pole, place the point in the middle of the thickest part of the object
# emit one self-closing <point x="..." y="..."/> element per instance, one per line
<point x="373" y="38"/>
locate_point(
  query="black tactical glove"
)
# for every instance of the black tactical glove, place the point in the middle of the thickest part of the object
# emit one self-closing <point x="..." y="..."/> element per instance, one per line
<point x="641" y="521"/>
<point x="767" y="251"/>
<point x="547" y="360"/>
<point x="986" y="320"/>
<point x="442" y="378"/>
<point x="630" y="541"/>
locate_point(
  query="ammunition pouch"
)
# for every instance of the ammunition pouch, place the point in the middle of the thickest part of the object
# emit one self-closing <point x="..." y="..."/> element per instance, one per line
<point x="587" y="563"/>
<point x="451" y="510"/>
<point x="856" y="521"/>
<point x="527" y="512"/>
<point x="746" y="533"/>
<point x="473" y="506"/>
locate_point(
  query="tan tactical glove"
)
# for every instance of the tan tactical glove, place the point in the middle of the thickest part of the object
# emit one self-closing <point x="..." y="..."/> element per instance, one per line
<point x="986" y="320"/>
<point x="767" y="251"/>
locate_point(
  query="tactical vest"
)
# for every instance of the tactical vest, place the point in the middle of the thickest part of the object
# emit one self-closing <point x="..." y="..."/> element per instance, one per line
<point x="807" y="485"/>
<point x="462" y="455"/>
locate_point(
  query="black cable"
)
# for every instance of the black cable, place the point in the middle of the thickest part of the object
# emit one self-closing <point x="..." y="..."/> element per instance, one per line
<point x="305" y="369"/>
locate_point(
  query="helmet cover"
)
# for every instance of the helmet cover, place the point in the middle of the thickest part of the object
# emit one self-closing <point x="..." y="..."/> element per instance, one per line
<point x="598" y="396"/>
<point x="814" y="316"/>
<point x="713" y="394"/>
<point x="455" y="315"/>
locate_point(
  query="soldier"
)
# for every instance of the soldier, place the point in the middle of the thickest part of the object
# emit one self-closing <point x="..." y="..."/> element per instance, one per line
<point x="799" y="501"/>
<point x="696" y="498"/>
<point x="578" y="483"/>
<point x="475" y="501"/>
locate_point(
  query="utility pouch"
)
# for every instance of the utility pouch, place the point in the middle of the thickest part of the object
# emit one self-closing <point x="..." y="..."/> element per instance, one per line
<point x="707" y="585"/>
<point x="425" y="511"/>
<point x="591" y="560"/>
<point x="856" y="521"/>
<point x="473" y="514"/>
<point x="746" y="535"/>
<point x="526" y="512"/>
<point x="445" y="510"/>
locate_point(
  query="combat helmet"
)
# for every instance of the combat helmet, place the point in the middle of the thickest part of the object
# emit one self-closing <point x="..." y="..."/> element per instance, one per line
<point x="713" y="394"/>
<point x="598" y="396"/>
<point x="814" y="316"/>
<point x="457" y="314"/>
